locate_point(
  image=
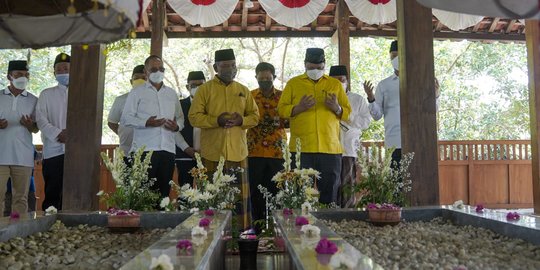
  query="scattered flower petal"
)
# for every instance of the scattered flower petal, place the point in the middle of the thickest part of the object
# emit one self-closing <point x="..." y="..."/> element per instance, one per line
<point x="204" y="222"/>
<point x="14" y="215"/>
<point x="479" y="208"/>
<point x="326" y="247"/>
<point x="287" y="211"/>
<point x="310" y="230"/>
<point x="512" y="216"/>
<point x="163" y="262"/>
<point x="209" y="212"/>
<point x="301" y="221"/>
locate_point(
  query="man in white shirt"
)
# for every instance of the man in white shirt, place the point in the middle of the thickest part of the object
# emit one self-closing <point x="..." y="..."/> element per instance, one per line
<point x="188" y="139"/>
<point x="17" y="123"/>
<point x="385" y="103"/>
<point x="351" y="131"/>
<point x="51" y="112"/>
<point x="153" y="111"/>
<point x="138" y="77"/>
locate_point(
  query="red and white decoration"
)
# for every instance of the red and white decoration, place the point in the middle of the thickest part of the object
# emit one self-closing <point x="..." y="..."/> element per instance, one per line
<point x="456" y="21"/>
<point x="205" y="13"/>
<point x="294" y="13"/>
<point x="373" y="11"/>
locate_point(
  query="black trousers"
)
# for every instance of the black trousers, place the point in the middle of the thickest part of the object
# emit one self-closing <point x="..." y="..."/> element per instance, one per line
<point x="162" y="169"/>
<point x="53" y="175"/>
<point x="260" y="171"/>
<point x="184" y="166"/>
<point x="329" y="165"/>
<point x="396" y="159"/>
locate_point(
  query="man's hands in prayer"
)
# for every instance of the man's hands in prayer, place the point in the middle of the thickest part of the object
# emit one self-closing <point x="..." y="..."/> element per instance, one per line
<point x="306" y="102"/>
<point x="332" y="103"/>
<point x="3" y="123"/>
<point x="62" y="137"/>
<point x="171" y="125"/>
<point x="153" y="122"/>
<point x="368" y="88"/>
<point x="27" y="122"/>
<point x="229" y="120"/>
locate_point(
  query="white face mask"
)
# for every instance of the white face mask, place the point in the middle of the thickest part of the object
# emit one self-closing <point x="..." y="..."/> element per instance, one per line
<point x="20" y="83"/>
<point x="345" y="86"/>
<point x="315" y="74"/>
<point x="395" y="63"/>
<point x="193" y="91"/>
<point x="156" y="77"/>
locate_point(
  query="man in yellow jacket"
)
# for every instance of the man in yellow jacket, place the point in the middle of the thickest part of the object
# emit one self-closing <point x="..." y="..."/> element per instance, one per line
<point x="315" y="104"/>
<point x="224" y="109"/>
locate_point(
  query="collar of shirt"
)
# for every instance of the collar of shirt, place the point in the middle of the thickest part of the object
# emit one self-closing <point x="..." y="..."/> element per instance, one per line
<point x="148" y="84"/>
<point x="305" y="77"/>
<point x="394" y="76"/>
<point x="8" y="92"/>
<point x="218" y="80"/>
<point x="260" y="92"/>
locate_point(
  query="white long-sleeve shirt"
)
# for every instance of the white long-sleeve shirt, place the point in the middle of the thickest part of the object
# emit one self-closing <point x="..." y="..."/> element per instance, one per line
<point x="16" y="146"/>
<point x="351" y="130"/>
<point x="387" y="105"/>
<point x="115" y="115"/>
<point x="145" y="101"/>
<point x="51" y="113"/>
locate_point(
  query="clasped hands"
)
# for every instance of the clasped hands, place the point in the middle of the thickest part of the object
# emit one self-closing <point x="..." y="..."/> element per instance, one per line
<point x="169" y="124"/>
<point x="229" y="120"/>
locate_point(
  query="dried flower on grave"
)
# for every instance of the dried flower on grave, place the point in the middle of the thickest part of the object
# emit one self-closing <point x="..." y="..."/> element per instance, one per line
<point x="479" y="208"/>
<point x="512" y="216"/>
<point x="51" y="210"/>
<point x="326" y="247"/>
<point x="301" y="221"/>
<point x="163" y="262"/>
<point x="310" y="230"/>
<point x="204" y="222"/>
<point x="184" y="245"/>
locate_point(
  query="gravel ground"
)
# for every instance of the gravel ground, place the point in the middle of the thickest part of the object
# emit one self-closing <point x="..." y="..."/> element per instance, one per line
<point x="437" y="245"/>
<point x="81" y="247"/>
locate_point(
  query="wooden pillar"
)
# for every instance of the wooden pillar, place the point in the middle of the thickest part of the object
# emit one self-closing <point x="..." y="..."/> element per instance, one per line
<point x="417" y="99"/>
<point x="158" y="19"/>
<point x="344" y="49"/>
<point x="84" y="118"/>
<point x="532" y="33"/>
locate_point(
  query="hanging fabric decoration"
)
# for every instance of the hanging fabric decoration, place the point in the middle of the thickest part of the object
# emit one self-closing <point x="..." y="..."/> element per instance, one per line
<point x="38" y="23"/>
<point x="456" y="21"/>
<point x="205" y="13"/>
<point x="373" y="11"/>
<point x="294" y="13"/>
<point x="510" y="9"/>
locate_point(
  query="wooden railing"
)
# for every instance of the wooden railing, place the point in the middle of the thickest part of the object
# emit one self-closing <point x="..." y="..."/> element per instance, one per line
<point x="497" y="175"/>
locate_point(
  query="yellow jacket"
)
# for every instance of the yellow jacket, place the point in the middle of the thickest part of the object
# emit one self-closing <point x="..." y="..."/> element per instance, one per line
<point x="212" y="99"/>
<point x="318" y="127"/>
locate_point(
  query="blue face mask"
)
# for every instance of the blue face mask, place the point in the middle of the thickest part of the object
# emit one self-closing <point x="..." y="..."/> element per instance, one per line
<point x="63" y="79"/>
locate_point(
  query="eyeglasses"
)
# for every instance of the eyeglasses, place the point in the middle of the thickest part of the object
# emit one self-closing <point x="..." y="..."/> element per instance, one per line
<point x="155" y="69"/>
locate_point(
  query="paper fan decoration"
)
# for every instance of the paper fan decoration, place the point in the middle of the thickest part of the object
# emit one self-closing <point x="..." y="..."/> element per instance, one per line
<point x="205" y="13"/>
<point x="456" y="21"/>
<point x="294" y="13"/>
<point x="373" y="11"/>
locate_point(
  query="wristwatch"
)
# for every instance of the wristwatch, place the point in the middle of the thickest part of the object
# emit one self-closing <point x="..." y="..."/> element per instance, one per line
<point x="339" y="110"/>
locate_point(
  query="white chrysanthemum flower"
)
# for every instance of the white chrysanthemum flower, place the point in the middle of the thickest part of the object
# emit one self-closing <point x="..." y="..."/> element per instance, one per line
<point x="227" y="178"/>
<point x="100" y="193"/>
<point x="343" y="261"/>
<point x="458" y="204"/>
<point x="194" y="210"/>
<point x="310" y="230"/>
<point x="198" y="231"/>
<point x="309" y="243"/>
<point x="311" y="192"/>
<point x="163" y="262"/>
<point x="198" y="240"/>
<point x="306" y="207"/>
<point x="164" y="202"/>
<point x="51" y="210"/>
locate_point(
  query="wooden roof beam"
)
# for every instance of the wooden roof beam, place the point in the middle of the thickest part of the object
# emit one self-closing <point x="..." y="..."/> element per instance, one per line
<point x="244" y="15"/>
<point x="494" y="25"/>
<point x="510" y="26"/>
<point x="267" y="22"/>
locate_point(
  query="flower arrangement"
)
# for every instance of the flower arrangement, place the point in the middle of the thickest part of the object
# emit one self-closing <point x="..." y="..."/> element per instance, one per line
<point x="132" y="185"/>
<point x="209" y="212"/>
<point x="119" y="212"/>
<point x="216" y="193"/>
<point x="296" y="186"/>
<point x="380" y="183"/>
